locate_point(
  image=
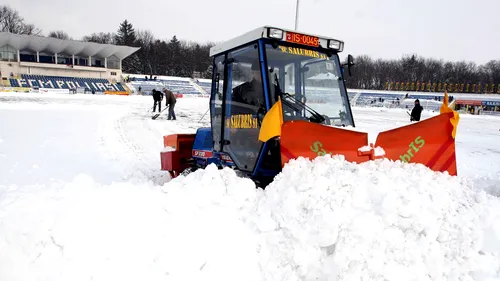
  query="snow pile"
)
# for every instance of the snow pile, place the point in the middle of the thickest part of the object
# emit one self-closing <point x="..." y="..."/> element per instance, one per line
<point x="129" y="231"/>
<point x="322" y="220"/>
<point x="489" y="183"/>
<point x="380" y="220"/>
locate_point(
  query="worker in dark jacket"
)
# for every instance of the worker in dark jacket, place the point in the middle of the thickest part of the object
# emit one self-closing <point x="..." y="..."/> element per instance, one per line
<point x="416" y="111"/>
<point x="157" y="97"/>
<point x="170" y="101"/>
<point x="251" y="92"/>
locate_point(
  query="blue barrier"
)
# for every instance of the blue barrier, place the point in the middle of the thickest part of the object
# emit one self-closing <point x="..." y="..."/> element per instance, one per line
<point x="60" y="82"/>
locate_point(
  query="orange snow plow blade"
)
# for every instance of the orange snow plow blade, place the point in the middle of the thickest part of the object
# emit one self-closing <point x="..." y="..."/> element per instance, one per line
<point x="309" y="140"/>
<point x="429" y="142"/>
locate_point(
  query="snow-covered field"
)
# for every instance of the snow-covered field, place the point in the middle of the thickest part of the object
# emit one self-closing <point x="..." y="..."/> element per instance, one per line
<point x="82" y="197"/>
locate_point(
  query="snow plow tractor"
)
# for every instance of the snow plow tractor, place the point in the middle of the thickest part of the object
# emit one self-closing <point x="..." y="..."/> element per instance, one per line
<point x="277" y="95"/>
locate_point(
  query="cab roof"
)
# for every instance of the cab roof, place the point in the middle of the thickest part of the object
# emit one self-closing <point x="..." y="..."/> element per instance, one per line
<point x="263" y="32"/>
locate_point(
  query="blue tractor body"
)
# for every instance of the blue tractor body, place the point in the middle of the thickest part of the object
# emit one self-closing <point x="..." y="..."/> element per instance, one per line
<point x="250" y="74"/>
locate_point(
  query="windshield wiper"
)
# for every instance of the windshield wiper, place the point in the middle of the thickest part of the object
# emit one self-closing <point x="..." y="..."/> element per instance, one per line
<point x="316" y="117"/>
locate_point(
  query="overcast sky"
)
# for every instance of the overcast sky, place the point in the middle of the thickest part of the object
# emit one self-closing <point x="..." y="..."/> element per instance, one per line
<point x="448" y="29"/>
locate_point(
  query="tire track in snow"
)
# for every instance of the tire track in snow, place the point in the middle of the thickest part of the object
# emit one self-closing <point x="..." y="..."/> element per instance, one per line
<point x="131" y="146"/>
<point x="134" y="141"/>
<point x="128" y="152"/>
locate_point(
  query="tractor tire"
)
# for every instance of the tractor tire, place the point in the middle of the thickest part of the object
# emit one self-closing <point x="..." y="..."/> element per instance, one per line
<point x="188" y="171"/>
<point x="263" y="182"/>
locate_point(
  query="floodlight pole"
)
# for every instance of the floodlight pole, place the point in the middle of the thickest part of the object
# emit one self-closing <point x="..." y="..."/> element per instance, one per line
<point x="297" y="15"/>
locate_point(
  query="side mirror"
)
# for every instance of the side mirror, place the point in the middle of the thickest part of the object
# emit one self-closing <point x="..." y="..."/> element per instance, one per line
<point x="350" y="63"/>
<point x="350" y="60"/>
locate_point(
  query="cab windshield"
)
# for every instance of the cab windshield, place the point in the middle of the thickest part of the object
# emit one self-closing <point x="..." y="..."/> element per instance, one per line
<point x="308" y="82"/>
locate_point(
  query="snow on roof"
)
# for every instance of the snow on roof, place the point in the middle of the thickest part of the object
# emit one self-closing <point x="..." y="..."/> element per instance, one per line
<point x="70" y="47"/>
<point x="258" y="33"/>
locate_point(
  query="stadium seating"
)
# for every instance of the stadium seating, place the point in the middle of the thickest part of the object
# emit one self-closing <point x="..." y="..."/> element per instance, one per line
<point x="181" y="87"/>
<point x="60" y="82"/>
<point x="147" y="86"/>
<point x="429" y="102"/>
<point x="14" y="83"/>
<point x="184" y="87"/>
<point x="371" y="98"/>
<point x="205" y="85"/>
<point x="351" y="96"/>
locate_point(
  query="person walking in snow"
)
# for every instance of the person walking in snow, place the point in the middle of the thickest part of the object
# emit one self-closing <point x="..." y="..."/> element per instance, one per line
<point x="157" y="97"/>
<point x="416" y="111"/>
<point x="170" y="101"/>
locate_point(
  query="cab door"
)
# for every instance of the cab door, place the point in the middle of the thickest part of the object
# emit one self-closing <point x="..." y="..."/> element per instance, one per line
<point x="244" y="100"/>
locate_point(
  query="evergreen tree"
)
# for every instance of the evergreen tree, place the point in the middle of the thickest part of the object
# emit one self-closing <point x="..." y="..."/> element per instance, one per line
<point x="126" y="34"/>
<point x="175" y="59"/>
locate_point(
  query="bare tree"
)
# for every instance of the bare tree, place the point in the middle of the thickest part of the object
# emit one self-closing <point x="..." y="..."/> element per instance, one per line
<point x="145" y="36"/>
<point x="11" y="21"/>
<point x="59" y="34"/>
<point x="149" y="51"/>
<point x="411" y="71"/>
<point x="101" y="38"/>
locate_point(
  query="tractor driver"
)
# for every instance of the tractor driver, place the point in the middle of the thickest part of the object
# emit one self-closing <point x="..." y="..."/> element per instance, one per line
<point x="251" y="92"/>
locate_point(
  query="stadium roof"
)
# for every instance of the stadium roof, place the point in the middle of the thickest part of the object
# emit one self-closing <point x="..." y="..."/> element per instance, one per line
<point x="69" y="47"/>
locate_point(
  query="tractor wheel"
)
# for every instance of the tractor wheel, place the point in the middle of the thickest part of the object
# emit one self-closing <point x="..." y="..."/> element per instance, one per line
<point x="263" y="182"/>
<point x="188" y="171"/>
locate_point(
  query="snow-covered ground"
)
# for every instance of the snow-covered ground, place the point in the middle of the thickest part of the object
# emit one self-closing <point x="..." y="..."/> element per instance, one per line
<point x="82" y="197"/>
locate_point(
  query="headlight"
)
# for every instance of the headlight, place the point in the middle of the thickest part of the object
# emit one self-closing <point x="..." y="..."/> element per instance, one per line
<point x="275" y="33"/>
<point x="337" y="45"/>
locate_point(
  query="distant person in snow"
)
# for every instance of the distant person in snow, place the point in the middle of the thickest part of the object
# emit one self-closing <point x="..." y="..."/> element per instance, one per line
<point x="416" y="111"/>
<point x="157" y="97"/>
<point x="170" y="101"/>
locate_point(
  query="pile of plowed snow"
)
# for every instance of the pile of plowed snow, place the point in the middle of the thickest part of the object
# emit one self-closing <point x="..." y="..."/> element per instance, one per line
<point x="325" y="219"/>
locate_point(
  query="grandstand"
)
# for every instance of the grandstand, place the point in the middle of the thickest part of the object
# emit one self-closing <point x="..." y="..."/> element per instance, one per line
<point x="396" y="99"/>
<point x="42" y="62"/>
<point x="178" y="85"/>
<point x="464" y="103"/>
<point x="205" y="84"/>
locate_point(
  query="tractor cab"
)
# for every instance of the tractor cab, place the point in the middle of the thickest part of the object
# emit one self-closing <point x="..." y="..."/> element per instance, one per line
<point x="253" y="71"/>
